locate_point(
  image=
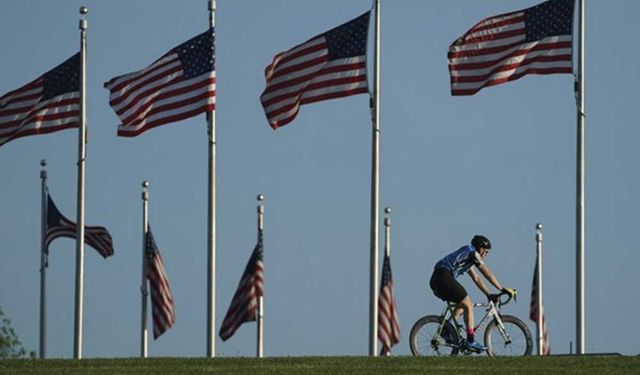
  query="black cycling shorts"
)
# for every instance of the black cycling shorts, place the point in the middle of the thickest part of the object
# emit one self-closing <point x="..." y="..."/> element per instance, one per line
<point x="446" y="287"/>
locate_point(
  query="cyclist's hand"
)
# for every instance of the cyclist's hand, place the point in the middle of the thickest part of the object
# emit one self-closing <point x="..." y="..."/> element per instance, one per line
<point x="494" y="297"/>
<point x="512" y="293"/>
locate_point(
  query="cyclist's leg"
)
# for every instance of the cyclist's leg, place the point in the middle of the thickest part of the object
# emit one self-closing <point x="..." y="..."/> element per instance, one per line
<point x="466" y="305"/>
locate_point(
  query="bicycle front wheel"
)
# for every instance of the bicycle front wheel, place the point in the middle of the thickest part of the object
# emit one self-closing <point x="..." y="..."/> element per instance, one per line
<point x="512" y="338"/>
<point x="425" y="340"/>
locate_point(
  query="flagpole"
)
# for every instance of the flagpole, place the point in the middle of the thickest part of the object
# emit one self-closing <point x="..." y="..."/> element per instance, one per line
<point x="43" y="264"/>
<point x="539" y="286"/>
<point x="375" y="189"/>
<point x="260" y="317"/>
<point x="211" y="227"/>
<point x="144" y="290"/>
<point x="82" y="133"/>
<point x="580" y="200"/>
<point x="387" y="230"/>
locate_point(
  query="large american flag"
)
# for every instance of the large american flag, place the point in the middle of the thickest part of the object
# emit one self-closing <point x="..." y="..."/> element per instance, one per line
<point x="179" y="85"/>
<point x="59" y="226"/>
<point x="48" y="104"/>
<point x="533" y="312"/>
<point x="536" y="40"/>
<point x="244" y="304"/>
<point x="330" y="65"/>
<point x="162" y="305"/>
<point x="388" y="324"/>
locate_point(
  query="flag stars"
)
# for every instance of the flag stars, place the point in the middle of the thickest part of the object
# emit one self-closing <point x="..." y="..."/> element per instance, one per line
<point x="549" y="19"/>
<point x="62" y="79"/>
<point x="197" y="54"/>
<point x="348" y="40"/>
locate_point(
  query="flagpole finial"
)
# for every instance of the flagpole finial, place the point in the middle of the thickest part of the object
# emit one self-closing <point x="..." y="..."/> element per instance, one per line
<point x="43" y="172"/>
<point x="539" y="226"/>
<point x="145" y="184"/>
<point x="83" y="19"/>
<point x="387" y="210"/>
<point x="260" y="197"/>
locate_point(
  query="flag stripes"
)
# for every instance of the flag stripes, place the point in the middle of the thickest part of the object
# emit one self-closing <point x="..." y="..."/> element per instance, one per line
<point x="330" y="65"/>
<point x="503" y="48"/>
<point x="243" y="307"/>
<point x="162" y="305"/>
<point x="533" y="312"/>
<point x="179" y="85"/>
<point x="59" y="226"/>
<point x="48" y="104"/>
<point x="388" y="323"/>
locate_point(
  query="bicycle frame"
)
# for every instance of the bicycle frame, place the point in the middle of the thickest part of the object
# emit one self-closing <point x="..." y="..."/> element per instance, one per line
<point x="491" y="313"/>
<point x="503" y="334"/>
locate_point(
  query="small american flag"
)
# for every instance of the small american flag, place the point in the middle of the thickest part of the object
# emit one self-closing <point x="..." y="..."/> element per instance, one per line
<point x="163" y="308"/>
<point x="536" y="40"/>
<point x="330" y="65"/>
<point x="533" y="312"/>
<point x="244" y="303"/>
<point x="179" y="85"/>
<point x="388" y="325"/>
<point x="45" y="105"/>
<point x="59" y="226"/>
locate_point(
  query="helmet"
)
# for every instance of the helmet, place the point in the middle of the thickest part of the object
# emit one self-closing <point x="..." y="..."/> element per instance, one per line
<point x="480" y="241"/>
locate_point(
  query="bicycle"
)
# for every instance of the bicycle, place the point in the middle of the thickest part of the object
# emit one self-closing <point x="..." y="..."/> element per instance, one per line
<point x="438" y="335"/>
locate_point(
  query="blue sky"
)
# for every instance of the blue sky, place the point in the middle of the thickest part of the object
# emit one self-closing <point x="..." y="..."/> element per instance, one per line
<point x="494" y="163"/>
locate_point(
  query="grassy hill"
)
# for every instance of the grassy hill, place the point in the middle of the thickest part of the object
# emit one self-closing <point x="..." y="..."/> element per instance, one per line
<point x="329" y="365"/>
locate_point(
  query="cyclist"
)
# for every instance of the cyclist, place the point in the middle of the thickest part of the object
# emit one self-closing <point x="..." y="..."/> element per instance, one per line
<point x="445" y="286"/>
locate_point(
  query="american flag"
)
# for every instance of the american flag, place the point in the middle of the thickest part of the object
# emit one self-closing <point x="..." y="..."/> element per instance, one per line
<point x="59" y="226"/>
<point x="179" y="85"/>
<point x="330" y="65"/>
<point x="163" y="308"/>
<point x="536" y="40"/>
<point x="388" y="325"/>
<point x="244" y="303"/>
<point x="45" y="105"/>
<point x="533" y="312"/>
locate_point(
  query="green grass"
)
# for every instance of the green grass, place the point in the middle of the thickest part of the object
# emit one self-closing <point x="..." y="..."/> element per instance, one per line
<point x="329" y="365"/>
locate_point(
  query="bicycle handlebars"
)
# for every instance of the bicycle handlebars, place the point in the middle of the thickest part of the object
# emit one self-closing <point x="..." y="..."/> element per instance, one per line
<point x="501" y="302"/>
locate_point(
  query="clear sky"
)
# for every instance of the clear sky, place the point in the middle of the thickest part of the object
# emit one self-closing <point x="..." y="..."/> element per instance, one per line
<point x="494" y="163"/>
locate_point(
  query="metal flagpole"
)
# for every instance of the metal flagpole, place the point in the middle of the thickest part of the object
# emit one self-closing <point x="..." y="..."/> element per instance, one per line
<point x="144" y="290"/>
<point x="43" y="264"/>
<point x="375" y="188"/>
<point x="82" y="134"/>
<point x="387" y="230"/>
<point x="539" y="286"/>
<point x="260" y="317"/>
<point x="580" y="200"/>
<point x="211" y="228"/>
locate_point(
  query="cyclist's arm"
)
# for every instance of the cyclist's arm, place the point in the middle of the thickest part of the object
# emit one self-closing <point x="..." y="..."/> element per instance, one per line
<point x="478" y="281"/>
<point x="489" y="276"/>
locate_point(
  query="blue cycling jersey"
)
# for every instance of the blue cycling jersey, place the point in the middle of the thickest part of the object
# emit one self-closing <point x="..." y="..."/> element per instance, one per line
<point x="460" y="261"/>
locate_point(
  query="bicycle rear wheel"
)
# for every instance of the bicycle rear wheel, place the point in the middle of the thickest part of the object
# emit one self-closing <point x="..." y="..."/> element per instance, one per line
<point x="424" y="339"/>
<point x="513" y="340"/>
